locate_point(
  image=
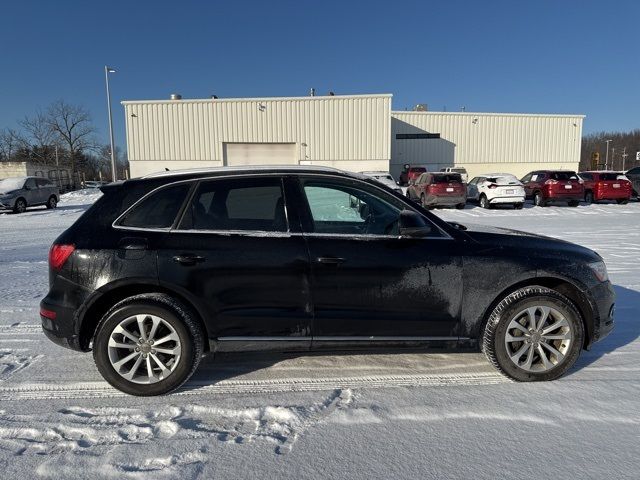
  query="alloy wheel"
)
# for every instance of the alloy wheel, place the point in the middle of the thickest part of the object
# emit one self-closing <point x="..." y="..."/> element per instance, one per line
<point x="538" y="338"/>
<point x="144" y="349"/>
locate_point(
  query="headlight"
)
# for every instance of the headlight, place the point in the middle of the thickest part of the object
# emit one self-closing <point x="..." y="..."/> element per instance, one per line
<point x="599" y="269"/>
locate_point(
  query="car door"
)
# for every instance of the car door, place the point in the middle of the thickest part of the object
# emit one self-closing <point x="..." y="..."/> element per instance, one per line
<point x="368" y="282"/>
<point x="472" y="188"/>
<point x="235" y="251"/>
<point x="528" y="182"/>
<point x="30" y="192"/>
<point x="44" y="189"/>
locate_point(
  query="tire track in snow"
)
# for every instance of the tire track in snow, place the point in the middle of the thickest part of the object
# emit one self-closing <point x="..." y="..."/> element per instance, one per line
<point x="45" y="391"/>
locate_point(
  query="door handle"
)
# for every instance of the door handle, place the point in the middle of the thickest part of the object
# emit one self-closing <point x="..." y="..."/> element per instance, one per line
<point x="330" y="260"/>
<point x="188" y="259"/>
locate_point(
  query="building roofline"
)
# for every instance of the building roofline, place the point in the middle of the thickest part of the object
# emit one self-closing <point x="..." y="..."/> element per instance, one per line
<point x="254" y="99"/>
<point x="489" y="114"/>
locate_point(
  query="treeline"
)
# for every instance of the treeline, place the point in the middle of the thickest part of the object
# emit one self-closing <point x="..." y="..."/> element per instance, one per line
<point x="62" y="134"/>
<point x="597" y="142"/>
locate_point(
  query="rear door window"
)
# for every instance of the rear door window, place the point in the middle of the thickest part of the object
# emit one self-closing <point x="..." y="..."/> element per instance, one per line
<point x="159" y="209"/>
<point x="242" y="204"/>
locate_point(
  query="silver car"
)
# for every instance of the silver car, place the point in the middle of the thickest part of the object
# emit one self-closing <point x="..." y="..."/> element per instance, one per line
<point x="18" y="193"/>
<point x="385" y="178"/>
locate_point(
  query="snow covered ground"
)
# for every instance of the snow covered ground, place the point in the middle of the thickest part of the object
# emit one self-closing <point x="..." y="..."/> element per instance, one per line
<point x="355" y="416"/>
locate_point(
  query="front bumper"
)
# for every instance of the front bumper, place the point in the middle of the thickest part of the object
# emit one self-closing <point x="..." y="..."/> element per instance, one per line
<point x="603" y="298"/>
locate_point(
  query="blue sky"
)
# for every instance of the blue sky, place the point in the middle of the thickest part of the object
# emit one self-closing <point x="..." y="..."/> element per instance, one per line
<point x="502" y="56"/>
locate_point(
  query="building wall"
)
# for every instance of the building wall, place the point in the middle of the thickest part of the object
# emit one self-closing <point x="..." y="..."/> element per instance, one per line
<point x="348" y="132"/>
<point x="13" y="169"/>
<point x="486" y="142"/>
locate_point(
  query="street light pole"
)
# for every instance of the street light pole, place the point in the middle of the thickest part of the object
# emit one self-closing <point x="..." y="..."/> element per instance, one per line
<point x="606" y="159"/>
<point x="107" y="71"/>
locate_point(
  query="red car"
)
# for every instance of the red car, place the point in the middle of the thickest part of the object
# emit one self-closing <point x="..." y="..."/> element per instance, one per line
<point x="606" y="186"/>
<point x="411" y="174"/>
<point x="438" y="190"/>
<point x="547" y="186"/>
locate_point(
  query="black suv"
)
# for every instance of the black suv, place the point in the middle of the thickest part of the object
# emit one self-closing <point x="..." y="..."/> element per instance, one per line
<point x="164" y="268"/>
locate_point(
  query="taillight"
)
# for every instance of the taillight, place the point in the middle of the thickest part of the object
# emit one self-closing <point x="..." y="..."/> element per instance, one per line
<point x="493" y="185"/>
<point x="59" y="254"/>
<point x="46" y="313"/>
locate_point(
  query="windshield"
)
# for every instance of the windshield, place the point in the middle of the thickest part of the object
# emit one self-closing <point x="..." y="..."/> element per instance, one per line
<point x="453" y="178"/>
<point x="9" y="184"/>
<point x="563" y="176"/>
<point x="504" y="180"/>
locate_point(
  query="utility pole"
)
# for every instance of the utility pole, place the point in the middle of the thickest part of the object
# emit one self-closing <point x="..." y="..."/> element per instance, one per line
<point x="606" y="159"/>
<point x="613" y="157"/>
<point x="624" y="157"/>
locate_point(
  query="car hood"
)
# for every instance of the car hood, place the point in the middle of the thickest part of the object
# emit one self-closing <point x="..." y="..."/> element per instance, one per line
<point x="528" y="244"/>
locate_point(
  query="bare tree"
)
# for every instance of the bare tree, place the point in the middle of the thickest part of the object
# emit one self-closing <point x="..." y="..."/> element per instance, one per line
<point x="10" y="142"/>
<point x="73" y="126"/>
<point x="41" y="138"/>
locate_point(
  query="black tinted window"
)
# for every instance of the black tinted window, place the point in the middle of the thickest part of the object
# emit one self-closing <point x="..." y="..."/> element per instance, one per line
<point x="251" y="204"/>
<point x="563" y="176"/>
<point x="609" y="176"/>
<point x="159" y="209"/>
<point x="634" y="171"/>
<point x="30" y="183"/>
<point x="451" y="178"/>
<point x="43" y="182"/>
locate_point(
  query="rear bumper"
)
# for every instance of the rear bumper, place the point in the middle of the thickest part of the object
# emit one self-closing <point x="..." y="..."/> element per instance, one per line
<point x="565" y="197"/>
<point x="507" y="199"/>
<point x="612" y="195"/>
<point x="435" y="201"/>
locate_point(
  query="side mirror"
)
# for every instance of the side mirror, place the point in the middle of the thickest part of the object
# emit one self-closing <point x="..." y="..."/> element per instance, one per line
<point x="412" y="224"/>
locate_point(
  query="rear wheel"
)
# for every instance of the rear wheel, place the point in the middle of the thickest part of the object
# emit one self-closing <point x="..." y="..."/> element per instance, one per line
<point x="588" y="197"/>
<point x="148" y="345"/>
<point x="423" y="201"/>
<point x="484" y="202"/>
<point x="460" y="206"/>
<point x="518" y="206"/>
<point x="574" y="203"/>
<point x="538" y="200"/>
<point x="622" y="201"/>
<point x="534" y="334"/>
<point x="52" y="202"/>
<point x="20" y="206"/>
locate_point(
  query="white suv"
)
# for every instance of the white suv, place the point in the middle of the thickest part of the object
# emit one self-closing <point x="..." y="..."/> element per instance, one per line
<point x="496" y="188"/>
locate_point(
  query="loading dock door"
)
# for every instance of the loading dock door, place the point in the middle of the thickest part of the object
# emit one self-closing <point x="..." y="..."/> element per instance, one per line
<point x="260" y="154"/>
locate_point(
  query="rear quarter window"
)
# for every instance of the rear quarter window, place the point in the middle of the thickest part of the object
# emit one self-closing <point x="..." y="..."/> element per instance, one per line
<point x="158" y="210"/>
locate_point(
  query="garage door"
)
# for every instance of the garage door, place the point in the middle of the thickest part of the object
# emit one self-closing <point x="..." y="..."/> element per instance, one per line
<point x="260" y="154"/>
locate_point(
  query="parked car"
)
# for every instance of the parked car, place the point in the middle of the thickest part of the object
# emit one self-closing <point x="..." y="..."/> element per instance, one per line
<point x="410" y="174"/>
<point x="496" y="189"/>
<point x="435" y="189"/>
<point x="634" y="177"/>
<point x="386" y="179"/>
<point x="18" y="193"/>
<point x="600" y="185"/>
<point x="550" y="186"/>
<point x="461" y="170"/>
<point x="258" y="258"/>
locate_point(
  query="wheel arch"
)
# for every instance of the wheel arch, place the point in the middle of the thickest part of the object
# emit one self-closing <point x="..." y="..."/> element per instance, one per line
<point x="88" y="320"/>
<point x="560" y="285"/>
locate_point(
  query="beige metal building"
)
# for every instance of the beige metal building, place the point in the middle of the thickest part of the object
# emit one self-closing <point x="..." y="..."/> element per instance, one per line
<point x="347" y="132"/>
<point x="485" y="142"/>
<point x="351" y="132"/>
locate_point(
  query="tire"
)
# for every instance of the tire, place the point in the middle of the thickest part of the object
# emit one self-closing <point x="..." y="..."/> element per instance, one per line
<point x="52" y="202"/>
<point x="574" y="203"/>
<point x="622" y="201"/>
<point x="513" y="309"/>
<point x="484" y="202"/>
<point x="20" y="206"/>
<point x="174" y="320"/>
<point x="423" y="201"/>
<point x="518" y="206"/>
<point x="538" y="200"/>
<point x="588" y="197"/>
<point x="460" y="206"/>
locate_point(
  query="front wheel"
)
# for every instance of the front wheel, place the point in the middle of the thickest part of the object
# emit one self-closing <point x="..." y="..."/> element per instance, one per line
<point x="52" y="202"/>
<point x="533" y="334"/>
<point x="622" y="201"/>
<point x="538" y="200"/>
<point x="588" y="197"/>
<point x="20" y="206"/>
<point x="148" y="345"/>
<point x="484" y="202"/>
